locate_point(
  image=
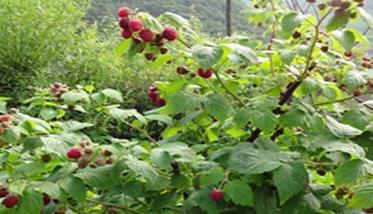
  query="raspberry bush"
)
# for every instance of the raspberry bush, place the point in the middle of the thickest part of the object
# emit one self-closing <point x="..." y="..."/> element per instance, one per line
<point x="252" y="125"/>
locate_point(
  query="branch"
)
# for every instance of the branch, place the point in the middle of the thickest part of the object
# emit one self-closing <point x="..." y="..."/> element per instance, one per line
<point x="228" y="90"/>
<point x="142" y="131"/>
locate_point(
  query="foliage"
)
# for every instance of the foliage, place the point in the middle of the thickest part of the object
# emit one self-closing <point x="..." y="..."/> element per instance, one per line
<point x="277" y="127"/>
<point x="210" y="12"/>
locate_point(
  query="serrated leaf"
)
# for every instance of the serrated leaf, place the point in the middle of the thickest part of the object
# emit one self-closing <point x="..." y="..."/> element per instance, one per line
<point x="264" y="119"/>
<point x="341" y="130"/>
<point x="218" y="107"/>
<point x="123" y="47"/>
<point x="179" y="151"/>
<point x="207" y="55"/>
<point x="239" y="192"/>
<point x="121" y="114"/>
<point x="142" y="168"/>
<point x="354" y="79"/>
<point x="31" y="202"/>
<point x="248" y="160"/>
<point x="288" y="188"/>
<point x="290" y="22"/>
<point x="212" y="176"/>
<point x="242" y="53"/>
<point x="336" y="22"/>
<point x="73" y="97"/>
<point x="345" y="38"/>
<point x="363" y="197"/>
<point x="72" y="126"/>
<point x="113" y="94"/>
<point x="74" y="187"/>
<point x="349" y="172"/>
<point x="182" y="103"/>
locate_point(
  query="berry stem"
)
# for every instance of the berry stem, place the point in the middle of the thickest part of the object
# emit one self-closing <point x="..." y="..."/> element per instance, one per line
<point x="337" y="101"/>
<point x="142" y="131"/>
<point x="183" y="42"/>
<point x="228" y="90"/>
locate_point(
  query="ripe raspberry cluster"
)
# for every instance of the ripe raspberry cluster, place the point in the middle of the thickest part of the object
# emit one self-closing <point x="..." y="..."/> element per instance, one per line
<point x="10" y="200"/>
<point x="57" y="89"/>
<point x="84" y="156"/>
<point x="133" y="28"/>
<point x="4" y="123"/>
<point x="153" y="94"/>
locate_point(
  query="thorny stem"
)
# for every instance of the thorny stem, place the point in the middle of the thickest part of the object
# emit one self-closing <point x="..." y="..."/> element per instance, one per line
<point x="285" y="97"/>
<point x="142" y="131"/>
<point x="228" y="90"/>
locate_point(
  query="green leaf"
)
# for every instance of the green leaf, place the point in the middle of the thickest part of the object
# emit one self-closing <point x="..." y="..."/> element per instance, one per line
<point x="363" y="197"/>
<point x="48" y="113"/>
<point x="142" y="168"/>
<point x="17" y="186"/>
<point x="113" y="94"/>
<point x="239" y="192"/>
<point x="218" y="107"/>
<point x="346" y="147"/>
<point x="179" y="151"/>
<point x="242" y="53"/>
<point x="288" y="188"/>
<point x="345" y="38"/>
<point x="349" y="172"/>
<point x="336" y="22"/>
<point x="182" y="103"/>
<point x="175" y="19"/>
<point x="354" y="79"/>
<point x="74" y="187"/>
<point x="202" y="199"/>
<point x="290" y="22"/>
<point x="207" y="56"/>
<point x="73" y="97"/>
<point x="248" y="160"/>
<point x="31" y="202"/>
<point x="212" y="176"/>
<point x="242" y="118"/>
<point x="265" y="200"/>
<point x="121" y="114"/>
<point x="102" y="177"/>
<point x="161" y="60"/>
<point x="123" y="47"/>
<point x="341" y="130"/>
<point x="264" y="119"/>
<point x="72" y="126"/>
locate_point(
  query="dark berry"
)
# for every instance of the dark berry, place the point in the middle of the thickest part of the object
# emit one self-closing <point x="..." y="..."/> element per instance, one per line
<point x="216" y="195"/>
<point x="3" y="192"/>
<point x="10" y="201"/>
<point x="46" y="158"/>
<point x="74" y="153"/>
<point x="170" y="33"/>
<point x="182" y="70"/>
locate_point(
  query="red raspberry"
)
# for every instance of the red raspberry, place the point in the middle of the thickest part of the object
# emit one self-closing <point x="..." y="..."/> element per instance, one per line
<point x="160" y="101"/>
<point x="365" y="58"/>
<point x="4" y="118"/>
<point x="216" y="195"/>
<point x="126" y="34"/>
<point x="182" y="70"/>
<point x="205" y="74"/>
<point x="10" y="201"/>
<point x="3" y="192"/>
<point x="349" y="54"/>
<point x="170" y="33"/>
<point x="46" y="199"/>
<point x="135" y="25"/>
<point x="146" y="35"/>
<point x="123" y="23"/>
<point x="74" y="153"/>
<point x="123" y="12"/>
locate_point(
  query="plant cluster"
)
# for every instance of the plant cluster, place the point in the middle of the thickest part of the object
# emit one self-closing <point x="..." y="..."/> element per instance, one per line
<point x="249" y="126"/>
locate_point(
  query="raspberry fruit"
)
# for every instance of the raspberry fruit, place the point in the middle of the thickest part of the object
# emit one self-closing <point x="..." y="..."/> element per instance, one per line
<point x="123" y="23"/>
<point x="4" y="118"/>
<point x="163" y="50"/>
<point x="10" y="201"/>
<point x="135" y="25"/>
<point x="146" y="35"/>
<point x="149" y="56"/>
<point x="46" y="158"/>
<point x="46" y="199"/>
<point x="182" y="70"/>
<point x="123" y="12"/>
<point x="205" y="74"/>
<point x="74" y="153"/>
<point x="216" y="195"/>
<point x="3" y="192"/>
<point x="160" y="101"/>
<point x="170" y="33"/>
<point x="349" y="54"/>
<point x="365" y="58"/>
<point x="126" y="34"/>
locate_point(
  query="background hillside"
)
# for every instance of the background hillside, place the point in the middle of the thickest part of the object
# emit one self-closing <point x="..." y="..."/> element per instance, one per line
<point x="211" y="13"/>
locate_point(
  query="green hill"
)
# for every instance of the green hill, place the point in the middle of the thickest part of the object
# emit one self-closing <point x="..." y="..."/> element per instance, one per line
<point x="210" y="12"/>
